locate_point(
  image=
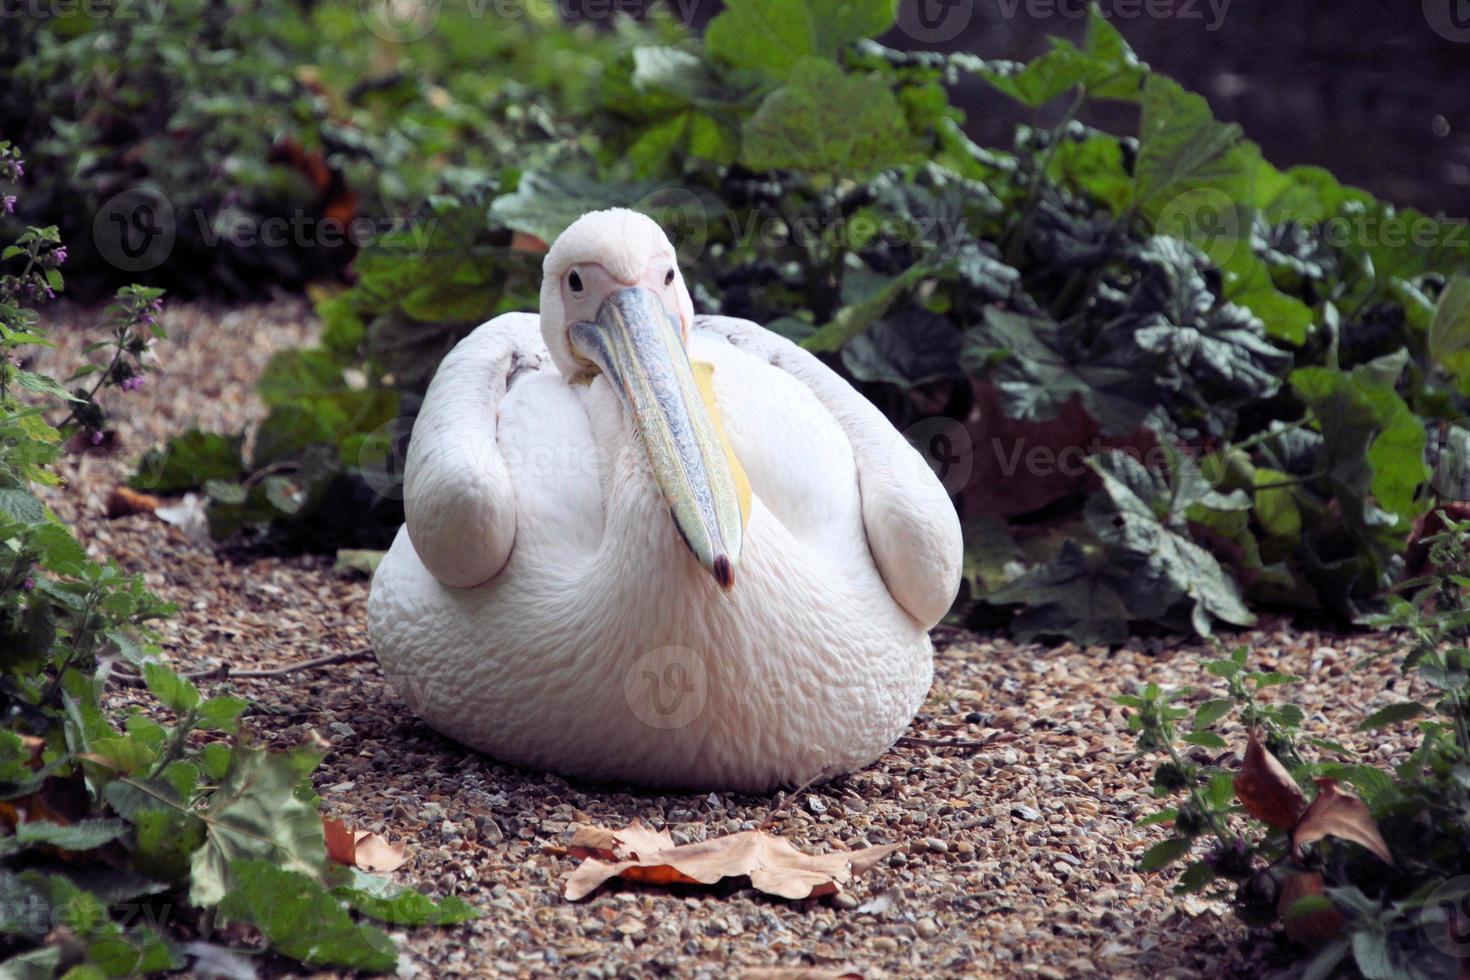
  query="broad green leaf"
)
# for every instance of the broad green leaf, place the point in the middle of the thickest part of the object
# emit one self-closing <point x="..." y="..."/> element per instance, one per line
<point x="858" y="316"/>
<point x="773" y="36"/>
<point x="908" y="347"/>
<point x="827" y="123"/>
<point x="81" y="836"/>
<point x="1041" y="372"/>
<point x="186" y="462"/>
<point x="1164" y="853"/>
<point x="21" y="505"/>
<point x="255" y="814"/>
<point x="1105" y="65"/>
<point x="178" y="693"/>
<point x="1449" y="333"/>
<point x="1394" y="714"/>
<point x="301" y="919"/>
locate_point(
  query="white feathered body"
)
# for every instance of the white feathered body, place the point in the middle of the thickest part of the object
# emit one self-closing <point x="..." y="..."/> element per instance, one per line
<point x="602" y="650"/>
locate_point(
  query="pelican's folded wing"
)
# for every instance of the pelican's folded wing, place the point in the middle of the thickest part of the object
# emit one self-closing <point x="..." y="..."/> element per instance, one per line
<point x="458" y="501"/>
<point x="912" y="529"/>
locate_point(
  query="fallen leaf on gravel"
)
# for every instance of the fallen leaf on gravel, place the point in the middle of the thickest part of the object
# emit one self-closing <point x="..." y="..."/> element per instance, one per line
<point x="1336" y="813"/>
<point x="361" y="849"/>
<point x="799" y="973"/>
<point x="1266" y="789"/>
<point x="189" y="516"/>
<point x="640" y="853"/>
<point x="124" y="500"/>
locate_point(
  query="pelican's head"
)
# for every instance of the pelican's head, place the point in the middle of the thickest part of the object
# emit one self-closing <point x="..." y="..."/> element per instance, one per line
<point x="613" y="302"/>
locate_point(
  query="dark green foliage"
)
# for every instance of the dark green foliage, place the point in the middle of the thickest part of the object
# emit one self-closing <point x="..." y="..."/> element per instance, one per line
<point x="120" y="837"/>
<point x="1387" y="920"/>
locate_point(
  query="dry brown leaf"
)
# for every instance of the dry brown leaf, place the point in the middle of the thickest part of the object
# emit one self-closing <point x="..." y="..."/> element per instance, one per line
<point x="372" y="852"/>
<point x="1266" y="789"/>
<point x="361" y="849"/>
<point x="1337" y="813"/>
<point x="773" y="865"/>
<point x="799" y="973"/>
<point x="1309" y="928"/>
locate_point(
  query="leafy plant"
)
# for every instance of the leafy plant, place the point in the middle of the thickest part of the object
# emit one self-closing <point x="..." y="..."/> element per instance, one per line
<point x="1269" y="347"/>
<point x="1374" y="878"/>
<point x="117" y="839"/>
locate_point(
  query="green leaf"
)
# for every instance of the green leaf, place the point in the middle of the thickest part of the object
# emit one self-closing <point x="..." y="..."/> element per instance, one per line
<point x="39" y="383"/>
<point x="907" y="348"/>
<point x="1041" y="371"/>
<point x="82" y="836"/>
<point x="1212" y="711"/>
<point x="1164" y="853"/>
<point x="862" y="312"/>
<point x="255" y="814"/>
<point x="1105" y="65"/>
<point x="186" y="462"/>
<point x="301" y="919"/>
<point x="1078" y="595"/>
<point x="774" y="36"/>
<point x="405" y="907"/>
<point x="177" y="693"/>
<point x="1207" y="739"/>
<point x="1449" y="332"/>
<point x="221" y="713"/>
<point x="829" y="123"/>
<point x="21" y="505"/>
<point x="1394" y="714"/>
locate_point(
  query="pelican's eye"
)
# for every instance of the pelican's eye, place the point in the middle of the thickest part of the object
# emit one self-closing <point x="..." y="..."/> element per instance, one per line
<point x="669" y="278"/>
<point x="575" y="282"/>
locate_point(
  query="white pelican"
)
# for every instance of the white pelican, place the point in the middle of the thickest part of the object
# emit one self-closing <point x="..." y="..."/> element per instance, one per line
<point x="650" y="547"/>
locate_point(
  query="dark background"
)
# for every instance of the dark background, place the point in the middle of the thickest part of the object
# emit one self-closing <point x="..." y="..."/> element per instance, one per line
<point x="1377" y="91"/>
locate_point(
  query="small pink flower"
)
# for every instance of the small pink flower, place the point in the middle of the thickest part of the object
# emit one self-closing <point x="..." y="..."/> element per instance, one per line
<point x="30" y="584"/>
<point x="96" y="438"/>
<point x="9" y="203"/>
<point x="132" y="384"/>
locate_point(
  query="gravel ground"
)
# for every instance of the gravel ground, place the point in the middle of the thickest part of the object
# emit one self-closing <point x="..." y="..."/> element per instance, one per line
<point x="1017" y="856"/>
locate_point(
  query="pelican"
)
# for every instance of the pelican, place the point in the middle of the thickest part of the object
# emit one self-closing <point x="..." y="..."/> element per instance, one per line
<point x="644" y="546"/>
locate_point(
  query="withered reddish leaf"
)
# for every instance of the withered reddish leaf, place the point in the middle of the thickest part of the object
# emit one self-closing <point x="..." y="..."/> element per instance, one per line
<point x="1311" y="926"/>
<point x="523" y="242"/>
<point x="773" y="865"/>
<point x="799" y="973"/>
<point x="1336" y="813"/>
<point x="1266" y="789"/>
<point x="125" y="500"/>
<point x="341" y="844"/>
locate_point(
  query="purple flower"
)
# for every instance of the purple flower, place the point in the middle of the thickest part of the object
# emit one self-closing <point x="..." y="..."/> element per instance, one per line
<point x="58" y="254"/>
<point x="9" y="203"/>
<point x="20" y="169"/>
<point x="132" y="384"/>
<point x="30" y="584"/>
<point x="96" y="438"/>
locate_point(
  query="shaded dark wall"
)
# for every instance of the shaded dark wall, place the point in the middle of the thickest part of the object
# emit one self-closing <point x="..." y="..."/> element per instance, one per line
<point x="1378" y="91"/>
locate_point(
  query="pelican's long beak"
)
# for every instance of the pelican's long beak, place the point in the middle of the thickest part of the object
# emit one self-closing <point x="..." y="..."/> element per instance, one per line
<point x="638" y="345"/>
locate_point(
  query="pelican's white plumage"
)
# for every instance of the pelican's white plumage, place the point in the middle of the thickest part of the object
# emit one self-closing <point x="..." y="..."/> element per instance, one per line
<point x="540" y="605"/>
